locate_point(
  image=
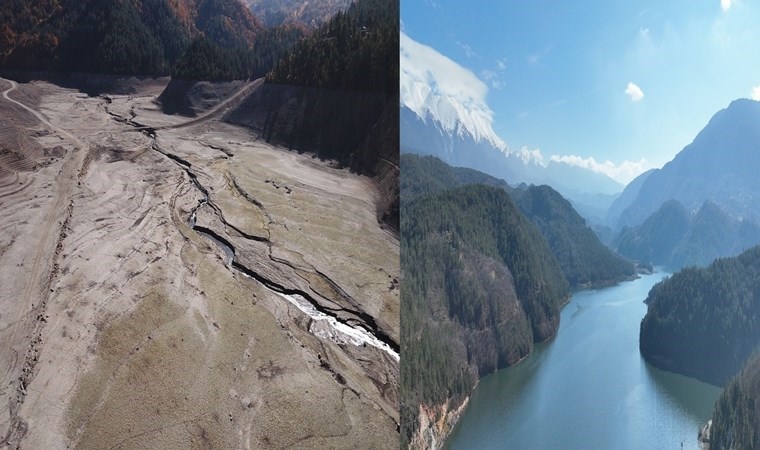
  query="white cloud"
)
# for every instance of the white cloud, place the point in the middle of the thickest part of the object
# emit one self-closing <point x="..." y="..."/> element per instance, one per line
<point x="468" y="50"/>
<point x="493" y="78"/>
<point x="531" y="156"/>
<point x="755" y="93"/>
<point x="725" y="4"/>
<point x="432" y="85"/>
<point x="634" y="92"/>
<point x="623" y="172"/>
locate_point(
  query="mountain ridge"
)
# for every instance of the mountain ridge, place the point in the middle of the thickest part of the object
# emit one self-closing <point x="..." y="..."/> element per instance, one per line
<point x="675" y="237"/>
<point x="719" y="165"/>
<point x="441" y="117"/>
<point x="584" y="260"/>
<point x="465" y="150"/>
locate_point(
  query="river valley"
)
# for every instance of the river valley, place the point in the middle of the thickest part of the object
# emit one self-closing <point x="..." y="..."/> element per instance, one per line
<point x="588" y="387"/>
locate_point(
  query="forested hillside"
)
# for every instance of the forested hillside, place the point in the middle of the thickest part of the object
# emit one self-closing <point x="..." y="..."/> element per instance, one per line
<point x="191" y="39"/>
<point x="736" y="418"/>
<point x="425" y="175"/>
<point x="335" y="94"/>
<point x="584" y="260"/>
<point x="306" y="13"/>
<point x="356" y="50"/>
<point x="704" y="322"/>
<point x="674" y="237"/>
<point x="479" y="287"/>
<point x="655" y="239"/>
<point x="206" y="60"/>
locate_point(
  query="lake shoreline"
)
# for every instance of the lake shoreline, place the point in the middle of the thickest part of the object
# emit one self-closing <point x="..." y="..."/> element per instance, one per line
<point x="508" y="408"/>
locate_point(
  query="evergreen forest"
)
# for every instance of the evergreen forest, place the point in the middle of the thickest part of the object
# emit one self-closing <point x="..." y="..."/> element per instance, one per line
<point x="704" y="322"/>
<point x="479" y="286"/>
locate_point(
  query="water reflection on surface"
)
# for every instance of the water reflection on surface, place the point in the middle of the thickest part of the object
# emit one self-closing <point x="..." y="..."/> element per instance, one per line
<point x="588" y="387"/>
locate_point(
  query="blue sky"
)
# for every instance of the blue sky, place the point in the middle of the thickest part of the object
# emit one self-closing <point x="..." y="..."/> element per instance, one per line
<point x="629" y="83"/>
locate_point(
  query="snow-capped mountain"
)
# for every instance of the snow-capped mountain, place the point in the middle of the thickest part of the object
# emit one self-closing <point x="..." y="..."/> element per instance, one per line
<point x="431" y="95"/>
<point x="444" y="113"/>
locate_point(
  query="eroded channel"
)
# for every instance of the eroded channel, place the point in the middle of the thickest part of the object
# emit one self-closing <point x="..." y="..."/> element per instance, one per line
<point x="325" y="323"/>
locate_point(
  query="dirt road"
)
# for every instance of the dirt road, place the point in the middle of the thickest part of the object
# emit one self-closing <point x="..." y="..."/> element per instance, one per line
<point x="22" y="338"/>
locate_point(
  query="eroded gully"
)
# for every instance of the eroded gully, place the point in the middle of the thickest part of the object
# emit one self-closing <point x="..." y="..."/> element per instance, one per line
<point x="325" y="322"/>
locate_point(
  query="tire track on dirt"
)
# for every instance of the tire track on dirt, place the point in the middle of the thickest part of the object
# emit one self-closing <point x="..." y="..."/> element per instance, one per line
<point x="43" y="269"/>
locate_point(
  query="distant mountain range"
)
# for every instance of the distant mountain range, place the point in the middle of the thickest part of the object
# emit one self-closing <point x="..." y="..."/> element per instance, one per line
<point x="703" y="204"/>
<point x="584" y="260"/>
<point x="675" y="237"/>
<point x="458" y="145"/>
<point x="461" y="135"/>
<point x="719" y="166"/>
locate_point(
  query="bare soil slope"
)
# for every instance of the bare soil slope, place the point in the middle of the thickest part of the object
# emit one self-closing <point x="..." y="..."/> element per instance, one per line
<point x="173" y="286"/>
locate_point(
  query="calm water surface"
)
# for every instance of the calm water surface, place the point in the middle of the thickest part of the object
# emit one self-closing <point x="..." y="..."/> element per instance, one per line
<point x="588" y="388"/>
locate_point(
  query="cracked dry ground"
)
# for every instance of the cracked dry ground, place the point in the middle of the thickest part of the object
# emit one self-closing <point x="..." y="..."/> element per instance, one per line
<point x="125" y="324"/>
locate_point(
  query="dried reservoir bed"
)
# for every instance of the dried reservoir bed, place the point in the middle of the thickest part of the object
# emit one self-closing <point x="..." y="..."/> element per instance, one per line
<point x="168" y="283"/>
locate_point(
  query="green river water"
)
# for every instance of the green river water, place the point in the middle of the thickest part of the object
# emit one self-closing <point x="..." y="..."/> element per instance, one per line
<point x="588" y="388"/>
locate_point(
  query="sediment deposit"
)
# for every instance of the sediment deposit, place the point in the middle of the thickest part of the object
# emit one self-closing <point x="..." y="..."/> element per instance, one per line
<point x="169" y="282"/>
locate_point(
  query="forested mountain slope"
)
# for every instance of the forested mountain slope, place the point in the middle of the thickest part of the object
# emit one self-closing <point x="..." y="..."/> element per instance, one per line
<point x="705" y="322"/>
<point x="335" y="94"/>
<point x="479" y="286"/>
<point x="145" y="37"/>
<point x="736" y="418"/>
<point x="675" y="238"/>
<point x="584" y="260"/>
<point x="305" y="13"/>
